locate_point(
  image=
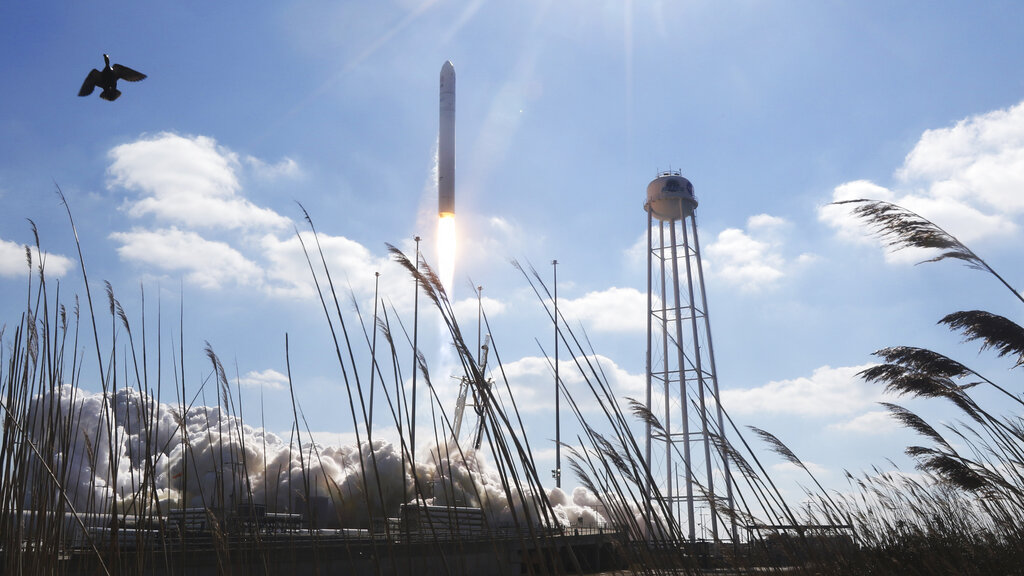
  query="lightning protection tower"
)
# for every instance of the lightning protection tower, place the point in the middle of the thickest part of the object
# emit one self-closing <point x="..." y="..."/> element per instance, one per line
<point x="689" y="476"/>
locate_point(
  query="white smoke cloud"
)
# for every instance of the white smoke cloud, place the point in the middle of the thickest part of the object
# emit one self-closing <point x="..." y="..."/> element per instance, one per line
<point x="206" y="457"/>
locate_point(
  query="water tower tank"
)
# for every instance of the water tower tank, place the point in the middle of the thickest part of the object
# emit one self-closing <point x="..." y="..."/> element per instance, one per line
<point x="670" y="197"/>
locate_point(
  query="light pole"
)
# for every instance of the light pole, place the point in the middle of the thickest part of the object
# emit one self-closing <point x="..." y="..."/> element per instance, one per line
<point x="415" y="354"/>
<point x="479" y="321"/>
<point x="558" y="423"/>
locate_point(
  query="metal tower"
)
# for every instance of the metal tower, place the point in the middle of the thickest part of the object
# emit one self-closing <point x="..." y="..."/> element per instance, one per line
<point x="689" y="474"/>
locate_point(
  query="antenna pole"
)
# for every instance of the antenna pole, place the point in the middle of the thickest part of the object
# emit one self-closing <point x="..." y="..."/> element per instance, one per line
<point x="415" y="354"/>
<point x="557" y="472"/>
<point x="479" y="321"/>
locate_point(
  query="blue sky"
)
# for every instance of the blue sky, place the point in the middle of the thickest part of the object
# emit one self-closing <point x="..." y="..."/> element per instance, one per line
<point x="189" y="185"/>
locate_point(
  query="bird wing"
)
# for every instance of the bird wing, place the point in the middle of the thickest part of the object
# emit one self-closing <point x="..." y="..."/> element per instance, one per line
<point x="126" y="73"/>
<point x="90" y="82"/>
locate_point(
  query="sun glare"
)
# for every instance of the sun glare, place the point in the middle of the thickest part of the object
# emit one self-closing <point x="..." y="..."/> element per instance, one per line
<point x="446" y="250"/>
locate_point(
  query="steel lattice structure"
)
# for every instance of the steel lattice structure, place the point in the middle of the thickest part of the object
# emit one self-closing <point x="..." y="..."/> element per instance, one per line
<point x="690" y="477"/>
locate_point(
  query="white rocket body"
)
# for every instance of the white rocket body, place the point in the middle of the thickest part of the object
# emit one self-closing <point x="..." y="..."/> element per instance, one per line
<point x="446" y="143"/>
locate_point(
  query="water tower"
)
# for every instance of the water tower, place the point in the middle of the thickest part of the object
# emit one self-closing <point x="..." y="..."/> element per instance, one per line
<point x="687" y="466"/>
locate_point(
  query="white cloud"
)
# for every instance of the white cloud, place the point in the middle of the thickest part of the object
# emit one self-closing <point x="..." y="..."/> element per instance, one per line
<point x="958" y="218"/>
<point x="841" y="218"/>
<point x="791" y="469"/>
<point x="621" y="381"/>
<point x="205" y="263"/>
<point x="194" y="184"/>
<point x="874" y="422"/>
<point x="966" y="178"/>
<point x="189" y="181"/>
<point x="807" y="258"/>
<point x="827" y="392"/>
<point x="636" y="255"/>
<point x="468" y="308"/>
<point x="532" y="381"/>
<point x="750" y="259"/>
<point x="611" y="310"/>
<point x="269" y="378"/>
<point x="766" y="223"/>
<point x="351" y="264"/>
<point x="285" y="168"/>
<point x="980" y="158"/>
<point x="13" y="262"/>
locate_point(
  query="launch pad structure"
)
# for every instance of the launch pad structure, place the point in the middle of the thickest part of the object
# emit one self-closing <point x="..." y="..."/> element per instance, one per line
<point x="689" y="478"/>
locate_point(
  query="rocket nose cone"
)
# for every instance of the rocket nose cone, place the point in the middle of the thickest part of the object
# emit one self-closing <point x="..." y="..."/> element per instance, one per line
<point x="448" y="80"/>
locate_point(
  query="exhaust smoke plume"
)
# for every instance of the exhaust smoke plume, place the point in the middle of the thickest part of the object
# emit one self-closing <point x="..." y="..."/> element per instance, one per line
<point x="206" y="457"/>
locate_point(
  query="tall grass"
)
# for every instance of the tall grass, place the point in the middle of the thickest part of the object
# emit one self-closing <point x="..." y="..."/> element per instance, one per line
<point x="68" y="499"/>
<point x="70" y="505"/>
<point x="959" y="511"/>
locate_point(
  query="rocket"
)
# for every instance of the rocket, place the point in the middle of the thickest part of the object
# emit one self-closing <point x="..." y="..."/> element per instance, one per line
<point x="446" y="143"/>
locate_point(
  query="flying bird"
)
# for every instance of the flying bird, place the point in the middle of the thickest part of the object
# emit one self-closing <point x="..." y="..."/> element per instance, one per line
<point x="107" y="79"/>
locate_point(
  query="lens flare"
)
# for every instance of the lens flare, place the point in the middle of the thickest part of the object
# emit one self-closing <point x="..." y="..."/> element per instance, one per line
<point x="446" y="250"/>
